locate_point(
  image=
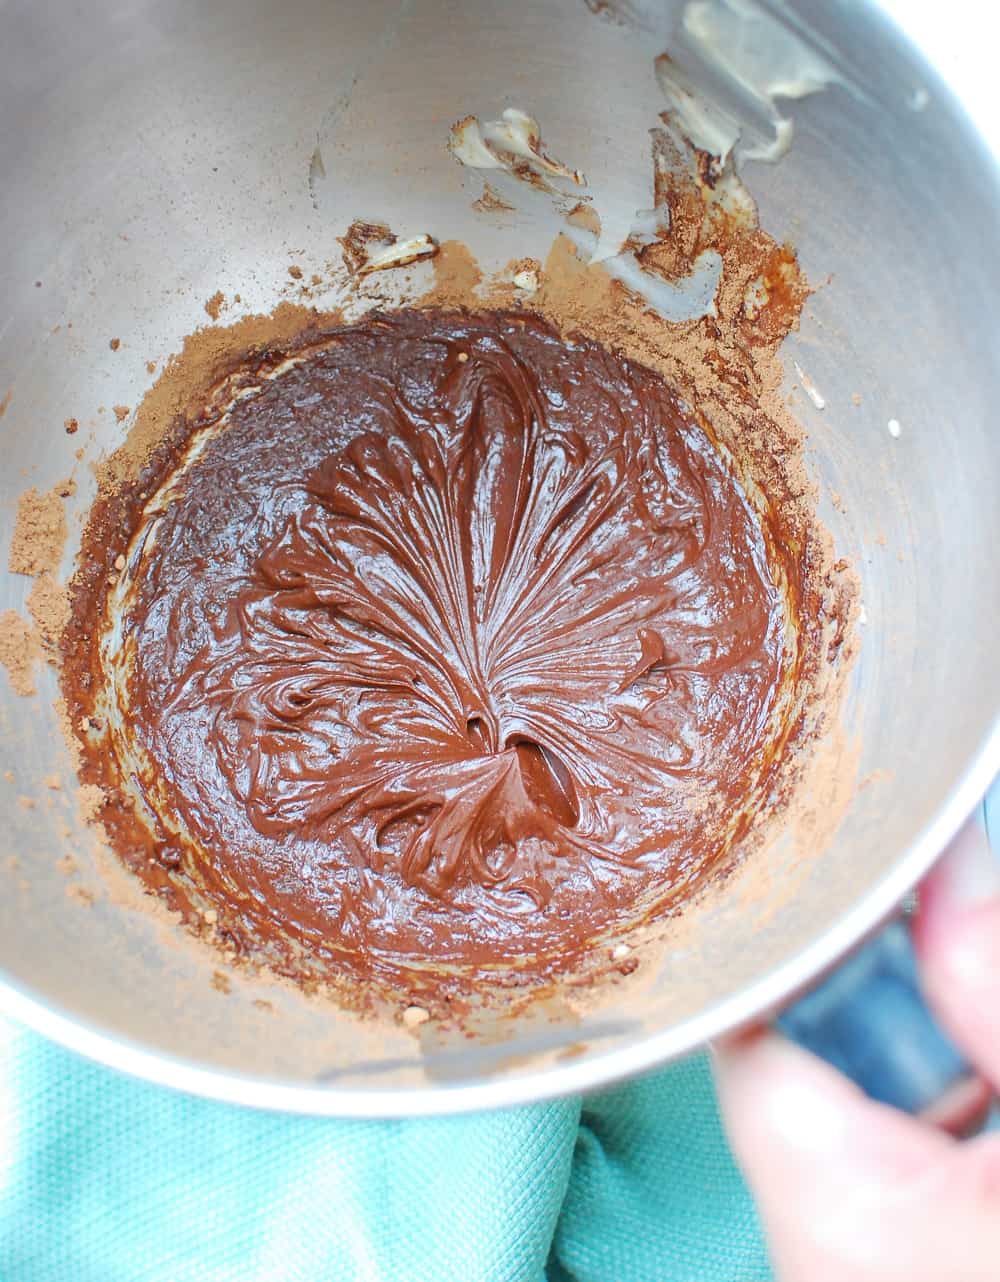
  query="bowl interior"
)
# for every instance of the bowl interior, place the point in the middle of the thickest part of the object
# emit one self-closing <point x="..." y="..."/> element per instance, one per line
<point x="156" y="153"/>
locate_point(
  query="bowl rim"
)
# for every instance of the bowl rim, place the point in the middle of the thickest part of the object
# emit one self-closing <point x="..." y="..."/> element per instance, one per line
<point x="749" y="1005"/>
<point x="752" y="1003"/>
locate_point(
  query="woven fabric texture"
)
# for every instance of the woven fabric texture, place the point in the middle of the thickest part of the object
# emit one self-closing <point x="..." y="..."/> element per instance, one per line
<point x="106" y="1179"/>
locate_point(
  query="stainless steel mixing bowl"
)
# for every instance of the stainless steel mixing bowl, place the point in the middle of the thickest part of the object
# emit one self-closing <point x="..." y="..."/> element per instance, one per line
<point x="155" y="151"/>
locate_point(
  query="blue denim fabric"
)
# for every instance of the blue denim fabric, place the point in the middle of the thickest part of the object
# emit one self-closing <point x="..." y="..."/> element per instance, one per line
<point x="870" y="1021"/>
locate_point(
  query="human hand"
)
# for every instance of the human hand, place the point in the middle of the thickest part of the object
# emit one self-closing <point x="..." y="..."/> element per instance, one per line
<point x="850" y="1190"/>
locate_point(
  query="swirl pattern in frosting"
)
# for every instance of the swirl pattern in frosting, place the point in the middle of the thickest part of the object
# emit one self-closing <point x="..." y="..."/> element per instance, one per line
<point x="455" y="641"/>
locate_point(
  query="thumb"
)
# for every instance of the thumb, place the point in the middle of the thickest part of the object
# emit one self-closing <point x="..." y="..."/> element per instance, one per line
<point x="849" y="1188"/>
<point x="956" y="933"/>
<point x="801" y="1129"/>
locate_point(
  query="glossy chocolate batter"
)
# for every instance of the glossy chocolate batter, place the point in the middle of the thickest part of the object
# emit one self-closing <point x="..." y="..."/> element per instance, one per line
<point x="455" y="642"/>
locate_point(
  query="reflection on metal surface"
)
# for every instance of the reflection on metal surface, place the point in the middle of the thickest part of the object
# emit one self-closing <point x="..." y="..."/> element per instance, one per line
<point x="108" y="194"/>
<point x="733" y="62"/>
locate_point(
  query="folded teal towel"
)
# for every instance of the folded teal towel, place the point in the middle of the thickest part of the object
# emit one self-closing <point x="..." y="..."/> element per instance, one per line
<point x="105" y="1179"/>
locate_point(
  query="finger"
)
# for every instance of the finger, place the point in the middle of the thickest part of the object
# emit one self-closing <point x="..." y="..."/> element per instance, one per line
<point x="818" y="1155"/>
<point x="791" y="1115"/>
<point x="956" y="933"/>
<point x="964" y="1108"/>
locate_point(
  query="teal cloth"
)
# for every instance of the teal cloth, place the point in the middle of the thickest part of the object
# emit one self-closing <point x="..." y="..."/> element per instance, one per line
<point x="106" y="1179"/>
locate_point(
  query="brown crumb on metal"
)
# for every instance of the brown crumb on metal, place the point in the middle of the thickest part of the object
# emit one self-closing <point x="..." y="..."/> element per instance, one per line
<point x="295" y="272"/>
<point x="491" y="202"/>
<point x="18" y="651"/>
<point x="215" y="304"/>
<point x="122" y="412"/>
<point x="373" y="247"/>
<point x="71" y="425"/>
<point x="48" y="605"/>
<point x="115" y="344"/>
<point x="355" y="241"/>
<point x="39" y="533"/>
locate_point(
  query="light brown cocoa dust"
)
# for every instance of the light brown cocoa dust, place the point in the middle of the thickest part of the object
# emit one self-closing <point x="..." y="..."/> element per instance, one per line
<point x="215" y="305"/>
<point x="39" y="533"/>
<point x="205" y="358"/>
<point x="491" y="202"/>
<point x="48" y="605"/>
<point x="18" y="651"/>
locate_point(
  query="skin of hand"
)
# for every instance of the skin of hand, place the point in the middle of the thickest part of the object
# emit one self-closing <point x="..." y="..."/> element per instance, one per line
<point x="850" y="1190"/>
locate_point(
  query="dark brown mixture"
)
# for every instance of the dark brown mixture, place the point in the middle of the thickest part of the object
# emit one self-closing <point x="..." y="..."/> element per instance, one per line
<point x="456" y="642"/>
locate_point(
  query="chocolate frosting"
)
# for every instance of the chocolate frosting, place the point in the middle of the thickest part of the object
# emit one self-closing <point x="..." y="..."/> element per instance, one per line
<point x="455" y="641"/>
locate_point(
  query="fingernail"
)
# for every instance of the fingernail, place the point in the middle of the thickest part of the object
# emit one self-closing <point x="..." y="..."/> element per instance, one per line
<point x="963" y="1109"/>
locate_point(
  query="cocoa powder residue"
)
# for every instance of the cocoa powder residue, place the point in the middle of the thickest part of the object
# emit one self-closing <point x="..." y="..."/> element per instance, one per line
<point x="457" y="277"/>
<point x="491" y="202"/>
<point x="39" y="533"/>
<point x="186" y="380"/>
<point x="48" y="605"/>
<point x="18" y="651"/>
